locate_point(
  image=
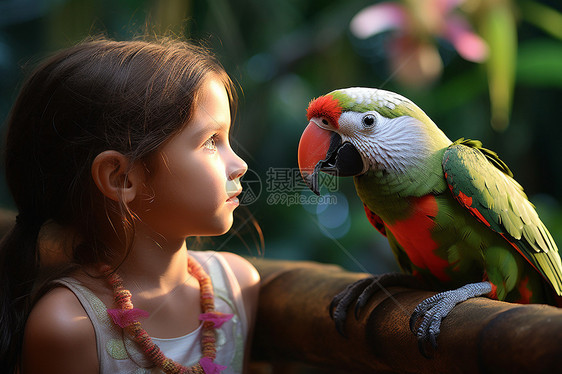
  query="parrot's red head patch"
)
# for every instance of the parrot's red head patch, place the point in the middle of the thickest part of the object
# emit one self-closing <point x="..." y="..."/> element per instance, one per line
<point x="325" y="106"/>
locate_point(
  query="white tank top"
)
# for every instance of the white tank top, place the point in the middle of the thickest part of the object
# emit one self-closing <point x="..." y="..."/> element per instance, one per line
<point x="117" y="353"/>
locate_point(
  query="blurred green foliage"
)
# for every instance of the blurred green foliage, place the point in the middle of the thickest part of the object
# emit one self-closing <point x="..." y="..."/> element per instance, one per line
<point x="285" y="52"/>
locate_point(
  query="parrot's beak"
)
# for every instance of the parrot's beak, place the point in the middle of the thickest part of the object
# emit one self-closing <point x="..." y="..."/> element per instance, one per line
<point x="323" y="150"/>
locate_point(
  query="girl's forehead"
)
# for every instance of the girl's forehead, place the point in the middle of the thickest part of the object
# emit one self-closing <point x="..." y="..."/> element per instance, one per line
<point x="214" y="99"/>
<point x="214" y="87"/>
<point x="212" y="108"/>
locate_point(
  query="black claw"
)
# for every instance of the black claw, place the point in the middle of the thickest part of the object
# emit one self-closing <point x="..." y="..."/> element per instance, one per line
<point x="356" y="311"/>
<point x="361" y="291"/>
<point x="433" y="341"/>
<point x="336" y="301"/>
<point x="342" y="301"/>
<point x="423" y="350"/>
<point x="340" y="316"/>
<point x="340" y="327"/>
<point x="344" y="295"/>
<point x="421" y="347"/>
<point x="348" y="295"/>
<point x="365" y="296"/>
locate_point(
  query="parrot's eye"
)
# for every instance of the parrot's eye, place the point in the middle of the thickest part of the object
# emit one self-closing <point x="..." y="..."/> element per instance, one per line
<point x="325" y="121"/>
<point x="369" y="120"/>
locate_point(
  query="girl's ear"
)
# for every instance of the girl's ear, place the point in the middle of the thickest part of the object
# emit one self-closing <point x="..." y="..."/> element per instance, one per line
<point x="114" y="178"/>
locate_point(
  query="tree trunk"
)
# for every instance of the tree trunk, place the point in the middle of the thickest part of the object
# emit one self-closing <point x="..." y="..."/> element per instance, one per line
<point x="479" y="335"/>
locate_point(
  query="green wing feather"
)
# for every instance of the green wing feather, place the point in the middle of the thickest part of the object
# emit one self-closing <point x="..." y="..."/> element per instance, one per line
<point x="482" y="183"/>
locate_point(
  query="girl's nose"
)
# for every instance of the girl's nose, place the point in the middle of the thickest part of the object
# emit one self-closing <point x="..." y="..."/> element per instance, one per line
<point x="239" y="168"/>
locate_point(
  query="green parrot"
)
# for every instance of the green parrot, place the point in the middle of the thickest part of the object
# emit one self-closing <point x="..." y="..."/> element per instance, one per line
<point x="451" y="211"/>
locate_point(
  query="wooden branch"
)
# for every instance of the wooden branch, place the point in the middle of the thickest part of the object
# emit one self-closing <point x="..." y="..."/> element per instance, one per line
<point x="479" y="335"/>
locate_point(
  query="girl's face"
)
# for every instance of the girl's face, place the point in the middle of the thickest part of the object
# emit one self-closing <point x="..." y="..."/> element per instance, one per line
<point x="194" y="187"/>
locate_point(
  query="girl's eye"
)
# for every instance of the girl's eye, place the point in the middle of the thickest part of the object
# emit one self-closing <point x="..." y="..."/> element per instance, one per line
<point x="211" y="143"/>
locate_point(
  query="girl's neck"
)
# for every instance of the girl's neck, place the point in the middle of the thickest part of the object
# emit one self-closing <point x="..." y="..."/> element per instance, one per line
<point x="158" y="278"/>
<point x="156" y="265"/>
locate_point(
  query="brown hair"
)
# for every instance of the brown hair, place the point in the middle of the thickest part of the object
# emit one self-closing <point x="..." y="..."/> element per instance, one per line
<point x="98" y="95"/>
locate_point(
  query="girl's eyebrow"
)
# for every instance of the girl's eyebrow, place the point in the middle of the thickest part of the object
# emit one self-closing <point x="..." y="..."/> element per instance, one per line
<point x="212" y="126"/>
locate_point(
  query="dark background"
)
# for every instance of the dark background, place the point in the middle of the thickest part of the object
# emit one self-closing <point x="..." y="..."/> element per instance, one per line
<point x="283" y="53"/>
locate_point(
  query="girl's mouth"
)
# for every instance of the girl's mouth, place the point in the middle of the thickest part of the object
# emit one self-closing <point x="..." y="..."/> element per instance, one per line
<point x="233" y="197"/>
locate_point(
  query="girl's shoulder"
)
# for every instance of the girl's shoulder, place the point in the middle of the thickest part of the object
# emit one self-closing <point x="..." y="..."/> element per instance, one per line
<point x="59" y="336"/>
<point x="245" y="272"/>
<point x="249" y="280"/>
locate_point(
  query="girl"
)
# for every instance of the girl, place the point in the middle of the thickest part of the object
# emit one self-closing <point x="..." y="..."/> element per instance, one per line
<point x="121" y="150"/>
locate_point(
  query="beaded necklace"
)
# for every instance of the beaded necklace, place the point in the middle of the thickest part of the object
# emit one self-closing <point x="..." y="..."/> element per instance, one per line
<point x="126" y="316"/>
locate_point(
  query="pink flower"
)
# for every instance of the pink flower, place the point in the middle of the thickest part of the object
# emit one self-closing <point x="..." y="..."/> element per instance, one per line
<point x="209" y="367"/>
<point x="124" y="318"/>
<point x="217" y="318"/>
<point x="414" y="24"/>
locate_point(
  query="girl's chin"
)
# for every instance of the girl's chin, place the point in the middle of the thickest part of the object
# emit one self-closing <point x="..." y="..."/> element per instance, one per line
<point x="223" y="228"/>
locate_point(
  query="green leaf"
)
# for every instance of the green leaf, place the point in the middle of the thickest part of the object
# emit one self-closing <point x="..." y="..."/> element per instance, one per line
<point x="499" y="30"/>
<point x="539" y="63"/>
<point x="543" y="17"/>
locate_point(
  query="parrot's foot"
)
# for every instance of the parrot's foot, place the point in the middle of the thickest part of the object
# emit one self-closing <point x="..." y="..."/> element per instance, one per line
<point x="437" y="307"/>
<point x="361" y="291"/>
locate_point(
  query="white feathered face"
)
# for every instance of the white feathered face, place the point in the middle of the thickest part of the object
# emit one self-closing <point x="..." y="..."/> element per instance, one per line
<point x="392" y="144"/>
